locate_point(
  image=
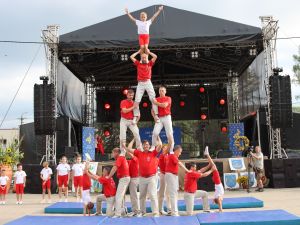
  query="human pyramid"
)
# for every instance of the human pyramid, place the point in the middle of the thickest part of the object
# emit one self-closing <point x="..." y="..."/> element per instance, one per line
<point x="140" y="172"/>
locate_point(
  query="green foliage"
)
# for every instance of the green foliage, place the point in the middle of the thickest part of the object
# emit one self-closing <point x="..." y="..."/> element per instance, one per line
<point x="296" y="67"/>
<point x="11" y="155"/>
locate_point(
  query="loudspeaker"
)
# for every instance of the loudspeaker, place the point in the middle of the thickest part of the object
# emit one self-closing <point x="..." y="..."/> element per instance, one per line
<point x="44" y="109"/>
<point x="292" y="173"/>
<point x="274" y="170"/>
<point x="206" y="183"/>
<point x="69" y="152"/>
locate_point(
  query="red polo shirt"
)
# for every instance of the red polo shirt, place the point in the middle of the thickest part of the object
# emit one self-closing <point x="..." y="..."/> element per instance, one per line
<point x="172" y="164"/>
<point x="133" y="167"/>
<point x="216" y="177"/>
<point x="86" y="182"/>
<point x="162" y="163"/>
<point x="190" y="181"/>
<point x="144" y="71"/>
<point x="147" y="162"/>
<point x="109" y="186"/>
<point x="125" y="104"/>
<point x="123" y="168"/>
<point x="164" y="111"/>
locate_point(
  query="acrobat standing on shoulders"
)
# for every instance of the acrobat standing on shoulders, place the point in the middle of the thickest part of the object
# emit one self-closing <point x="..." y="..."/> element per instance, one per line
<point x="143" y="26"/>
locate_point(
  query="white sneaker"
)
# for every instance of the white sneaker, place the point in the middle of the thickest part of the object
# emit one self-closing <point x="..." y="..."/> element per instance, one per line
<point x="163" y="213"/>
<point x="66" y="200"/>
<point x="206" y="152"/>
<point x="17" y="203"/>
<point x="21" y="203"/>
<point x="115" y="216"/>
<point x="174" y="214"/>
<point x="81" y="200"/>
<point x="60" y="200"/>
<point x="77" y="199"/>
<point x="3" y="203"/>
<point x="43" y="201"/>
<point x="49" y="201"/>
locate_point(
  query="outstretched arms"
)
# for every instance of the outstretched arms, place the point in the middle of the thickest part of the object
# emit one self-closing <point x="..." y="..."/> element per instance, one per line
<point x="129" y="15"/>
<point x="183" y="166"/>
<point x="154" y="56"/>
<point x="157" y="13"/>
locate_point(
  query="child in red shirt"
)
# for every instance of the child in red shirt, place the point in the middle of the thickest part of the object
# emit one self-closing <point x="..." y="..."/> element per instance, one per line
<point x="219" y="189"/>
<point x="109" y="192"/>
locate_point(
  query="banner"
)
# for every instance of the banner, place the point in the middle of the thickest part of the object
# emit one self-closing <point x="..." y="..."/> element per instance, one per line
<point x="235" y="129"/>
<point x="146" y="134"/>
<point x="88" y="142"/>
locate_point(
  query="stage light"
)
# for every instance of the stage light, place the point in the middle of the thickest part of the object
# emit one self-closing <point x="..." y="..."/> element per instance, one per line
<point x="145" y="104"/>
<point x="65" y="59"/>
<point x="178" y="54"/>
<point x="207" y="52"/>
<point x="114" y="56"/>
<point x="252" y="51"/>
<point x="224" y="129"/>
<point x="106" y="133"/>
<point x="202" y="89"/>
<point x="203" y="116"/>
<point x="222" y="101"/>
<point x="194" y="54"/>
<point x="125" y="91"/>
<point x="124" y="57"/>
<point x="107" y="106"/>
<point x="182" y="103"/>
<point x="238" y="51"/>
<point x="223" y="126"/>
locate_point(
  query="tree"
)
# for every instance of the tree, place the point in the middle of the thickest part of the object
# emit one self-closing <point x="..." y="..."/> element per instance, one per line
<point x="296" y="68"/>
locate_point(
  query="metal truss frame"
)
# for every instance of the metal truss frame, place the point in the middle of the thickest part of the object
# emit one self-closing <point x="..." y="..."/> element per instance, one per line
<point x="269" y="31"/>
<point x="90" y="95"/>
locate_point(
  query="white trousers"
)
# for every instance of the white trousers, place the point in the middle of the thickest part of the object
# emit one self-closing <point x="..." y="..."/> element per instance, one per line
<point x="165" y="122"/>
<point x="148" y="185"/>
<point x="190" y="197"/>
<point x="162" y="193"/>
<point x="133" y="189"/>
<point x="110" y="202"/>
<point x="124" y="124"/>
<point x="140" y="89"/>
<point x="172" y="191"/>
<point x="120" y="195"/>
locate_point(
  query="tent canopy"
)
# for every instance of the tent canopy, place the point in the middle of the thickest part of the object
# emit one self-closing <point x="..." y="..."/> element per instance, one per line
<point x="222" y="45"/>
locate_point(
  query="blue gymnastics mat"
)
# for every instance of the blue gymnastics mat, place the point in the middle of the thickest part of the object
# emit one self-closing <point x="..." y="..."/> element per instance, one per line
<point x="267" y="217"/>
<point x="228" y="203"/>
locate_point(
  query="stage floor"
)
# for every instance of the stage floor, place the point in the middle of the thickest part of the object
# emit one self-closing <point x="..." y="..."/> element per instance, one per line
<point x="287" y="199"/>
<point x="228" y="203"/>
<point x="269" y="217"/>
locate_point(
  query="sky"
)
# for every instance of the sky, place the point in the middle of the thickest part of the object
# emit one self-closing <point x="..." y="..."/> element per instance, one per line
<point x="24" y="20"/>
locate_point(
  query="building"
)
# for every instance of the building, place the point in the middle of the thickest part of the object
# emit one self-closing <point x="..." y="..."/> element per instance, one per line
<point x="7" y="136"/>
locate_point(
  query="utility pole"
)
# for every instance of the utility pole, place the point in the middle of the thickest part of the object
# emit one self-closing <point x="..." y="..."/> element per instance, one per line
<point x="22" y="118"/>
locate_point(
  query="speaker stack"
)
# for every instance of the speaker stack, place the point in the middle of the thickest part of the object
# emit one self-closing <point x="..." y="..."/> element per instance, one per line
<point x="44" y="109"/>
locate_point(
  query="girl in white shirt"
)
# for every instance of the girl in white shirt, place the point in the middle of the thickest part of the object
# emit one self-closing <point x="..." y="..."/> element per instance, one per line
<point x="62" y="178"/>
<point x="20" y="183"/>
<point x="77" y="172"/>
<point x="46" y="181"/>
<point x="3" y="186"/>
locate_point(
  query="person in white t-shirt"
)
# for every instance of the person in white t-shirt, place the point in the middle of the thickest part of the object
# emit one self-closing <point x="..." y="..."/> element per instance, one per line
<point x="143" y="26"/>
<point x="77" y="172"/>
<point x="62" y="178"/>
<point x="3" y="186"/>
<point x="20" y="183"/>
<point x="46" y="181"/>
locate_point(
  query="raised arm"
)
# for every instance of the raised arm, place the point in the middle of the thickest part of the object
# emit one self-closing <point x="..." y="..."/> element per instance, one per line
<point x="183" y="166"/>
<point x="157" y="13"/>
<point x="112" y="172"/>
<point x="132" y="57"/>
<point x="159" y="144"/>
<point x="154" y="56"/>
<point x="207" y="173"/>
<point x="130" y="16"/>
<point x="204" y="169"/>
<point x="93" y="176"/>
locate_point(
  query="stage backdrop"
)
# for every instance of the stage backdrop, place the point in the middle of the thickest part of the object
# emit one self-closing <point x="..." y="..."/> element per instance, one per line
<point x="146" y="134"/>
<point x="235" y="128"/>
<point x="88" y="142"/>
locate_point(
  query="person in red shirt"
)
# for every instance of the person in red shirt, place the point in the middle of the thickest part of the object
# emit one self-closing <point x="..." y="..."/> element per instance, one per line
<point x="148" y="179"/>
<point x="109" y="192"/>
<point x="144" y="73"/>
<point x="219" y="189"/>
<point x="162" y="182"/>
<point x="134" y="182"/>
<point x="164" y="104"/>
<point x="171" y="169"/>
<point x="122" y="169"/>
<point x="127" y="106"/>
<point x="190" y="188"/>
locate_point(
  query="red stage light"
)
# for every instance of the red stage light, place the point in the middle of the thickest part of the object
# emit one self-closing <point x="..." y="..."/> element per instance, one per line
<point x="145" y="104"/>
<point x="203" y="116"/>
<point x="181" y="103"/>
<point x="106" y="133"/>
<point x="107" y="106"/>
<point x="125" y="91"/>
<point x="202" y="89"/>
<point x="224" y="129"/>
<point x="222" y="101"/>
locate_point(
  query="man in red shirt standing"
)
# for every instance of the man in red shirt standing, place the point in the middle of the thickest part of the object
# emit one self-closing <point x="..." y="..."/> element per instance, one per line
<point x="172" y="164"/>
<point x="122" y="169"/>
<point x="108" y="189"/>
<point x="165" y="121"/>
<point x="144" y="73"/>
<point x="148" y="179"/>
<point x="127" y="107"/>
<point x="190" y="188"/>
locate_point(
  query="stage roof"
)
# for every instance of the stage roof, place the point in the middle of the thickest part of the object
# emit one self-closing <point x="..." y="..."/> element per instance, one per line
<point x="222" y="45"/>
